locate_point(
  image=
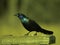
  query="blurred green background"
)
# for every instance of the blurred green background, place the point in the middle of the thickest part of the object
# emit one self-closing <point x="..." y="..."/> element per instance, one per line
<point x="45" y="12"/>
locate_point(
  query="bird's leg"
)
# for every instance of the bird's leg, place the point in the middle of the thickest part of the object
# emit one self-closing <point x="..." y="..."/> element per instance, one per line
<point x="35" y="33"/>
<point x="27" y="33"/>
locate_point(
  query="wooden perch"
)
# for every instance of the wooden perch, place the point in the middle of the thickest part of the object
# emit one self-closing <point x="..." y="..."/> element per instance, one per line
<point x="27" y="40"/>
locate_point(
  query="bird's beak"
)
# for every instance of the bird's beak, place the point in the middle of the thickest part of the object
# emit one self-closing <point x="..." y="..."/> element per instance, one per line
<point x="15" y="15"/>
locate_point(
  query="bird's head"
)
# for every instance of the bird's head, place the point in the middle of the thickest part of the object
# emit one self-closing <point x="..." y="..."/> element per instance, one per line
<point x="22" y="17"/>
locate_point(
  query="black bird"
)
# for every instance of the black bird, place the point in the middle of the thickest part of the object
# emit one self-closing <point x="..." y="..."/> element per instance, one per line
<point x="31" y="25"/>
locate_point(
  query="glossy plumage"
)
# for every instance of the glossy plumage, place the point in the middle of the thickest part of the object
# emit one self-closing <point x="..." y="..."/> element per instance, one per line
<point x="31" y="25"/>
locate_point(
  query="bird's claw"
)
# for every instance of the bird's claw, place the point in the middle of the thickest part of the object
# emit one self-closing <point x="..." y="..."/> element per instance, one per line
<point x="35" y="34"/>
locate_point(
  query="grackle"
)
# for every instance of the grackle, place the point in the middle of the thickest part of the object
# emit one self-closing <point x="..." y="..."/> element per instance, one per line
<point x="31" y="25"/>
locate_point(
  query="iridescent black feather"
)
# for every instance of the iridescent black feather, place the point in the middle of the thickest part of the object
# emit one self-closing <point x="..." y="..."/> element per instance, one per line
<point x="31" y="25"/>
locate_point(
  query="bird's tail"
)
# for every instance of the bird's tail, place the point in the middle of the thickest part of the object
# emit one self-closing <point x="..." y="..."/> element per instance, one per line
<point x="46" y="32"/>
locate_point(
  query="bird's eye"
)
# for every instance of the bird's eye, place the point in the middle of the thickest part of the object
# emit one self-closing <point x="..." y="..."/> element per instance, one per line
<point x="21" y="16"/>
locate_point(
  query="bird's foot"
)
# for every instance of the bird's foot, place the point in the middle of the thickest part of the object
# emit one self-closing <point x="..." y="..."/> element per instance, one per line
<point x="35" y="34"/>
<point x="27" y="34"/>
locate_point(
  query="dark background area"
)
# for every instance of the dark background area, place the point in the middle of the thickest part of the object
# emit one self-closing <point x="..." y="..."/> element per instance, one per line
<point x="45" y="11"/>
